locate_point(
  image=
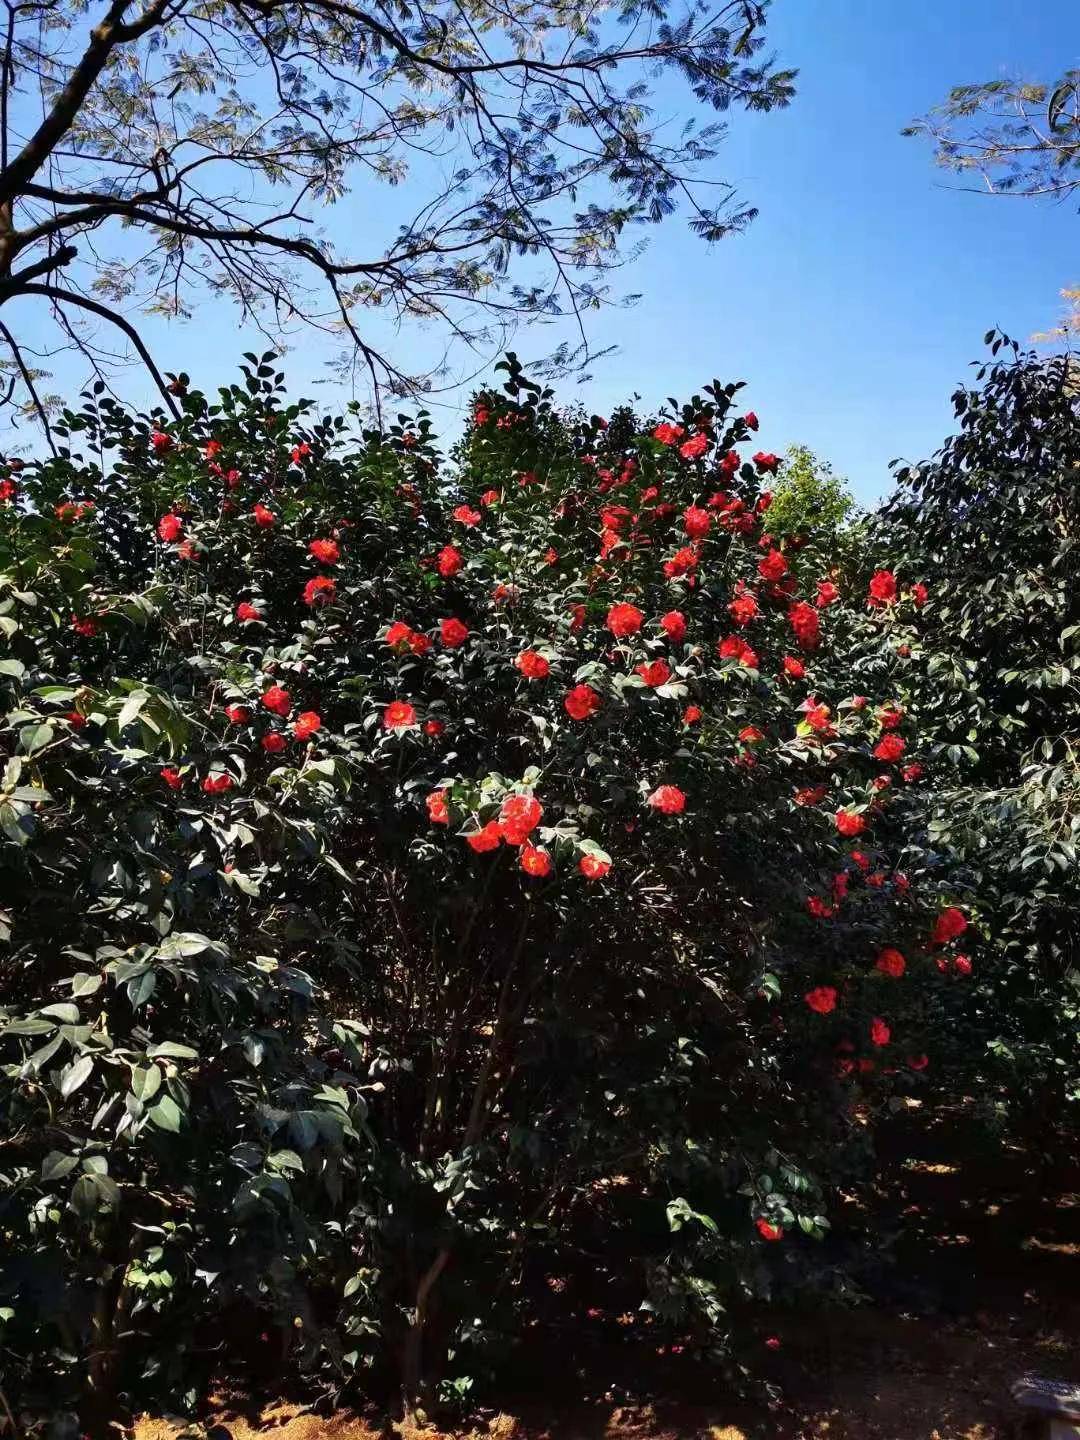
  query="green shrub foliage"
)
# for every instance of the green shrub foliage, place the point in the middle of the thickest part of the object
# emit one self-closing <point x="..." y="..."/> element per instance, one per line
<point x="421" y="872"/>
<point x="993" y="522"/>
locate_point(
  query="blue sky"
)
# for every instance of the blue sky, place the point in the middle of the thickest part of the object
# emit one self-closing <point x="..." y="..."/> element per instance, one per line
<point x="855" y="301"/>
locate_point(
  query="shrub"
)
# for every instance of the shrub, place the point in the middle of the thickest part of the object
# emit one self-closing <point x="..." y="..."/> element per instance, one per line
<point x="419" y="871"/>
<point x="993" y="523"/>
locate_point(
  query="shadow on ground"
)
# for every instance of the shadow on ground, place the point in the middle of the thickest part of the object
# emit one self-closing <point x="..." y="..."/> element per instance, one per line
<point x="980" y="1283"/>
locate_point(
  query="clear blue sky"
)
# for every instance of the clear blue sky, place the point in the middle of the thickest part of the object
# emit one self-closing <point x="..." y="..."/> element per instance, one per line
<point x="854" y="302"/>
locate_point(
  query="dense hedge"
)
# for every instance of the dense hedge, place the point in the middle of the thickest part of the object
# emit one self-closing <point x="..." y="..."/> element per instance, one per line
<point x="993" y="523"/>
<point x="414" y="863"/>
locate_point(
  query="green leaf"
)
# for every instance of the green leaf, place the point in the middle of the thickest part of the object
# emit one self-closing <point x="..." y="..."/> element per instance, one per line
<point x="35" y="737"/>
<point x="184" y="943"/>
<point x="145" y="1082"/>
<point x="76" y="1074"/>
<point x="131" y="707"/>
<point x="166" y="1114"/>
<point x="56" y="1165"/>
<point x="171" y="1050"/>
<point x="65" y="1011"/>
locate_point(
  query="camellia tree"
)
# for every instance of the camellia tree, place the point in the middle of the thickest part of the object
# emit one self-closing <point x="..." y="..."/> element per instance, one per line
<point x="993" y="522"/>
<point x="413" y="866"/>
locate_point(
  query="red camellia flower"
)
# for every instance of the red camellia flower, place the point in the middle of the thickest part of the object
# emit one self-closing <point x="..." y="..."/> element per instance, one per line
<point x="264" y="518"/>
<point x="465" y="515"/>
<point x="535" y="861"/>
<point x="889" y="748"/>
<point x="486" y="838"/>
<point x="882" y="589"/>
<point x="8" y="490"/>
<point x="822" y="999"/>
<point x="278" y="701"/>
<point x="593" y="868"/>
<point x="890" y="962"/>
<point x="217" y="784"/>
<point x="668" y="799"/>
<point x="299" y="451"/>
<point x="489" y="497"/>
<point x="949" y="925"/>
<point x="327" y="552"/>
<point x="912" y="772"/>
<point x="433" y="727"/>
<point x="398" y="636"/>
<point x="743" y="609"/>
<point x="519" y="816"/>
<point x="696" y="522"/>
<point x="532" y="665"/>
<point x="624" y="620"/>
<point x="172" y="778"/>
<point x="819" y="909"/>
<point x="806" y="624"/>
<point x="581" y="702"/>
<point x="399" y="715"/>
<point x="750" y="420"/>
<point x="273" y="744"/>
<point x="827" y="594"/>
<point x="75" y="720"/>
<point x="918" y="1062"/>
<point x="768" y="1231"/>
<point x="673" y="625"/>
<point x="691" y="715"/>
<point x="818" y="717"/>
<point x="812" y="795"/>
<point x="750" y="735"/>
<point x="448" y="562"/>
<point x="695" y="446"/>
<point x="794" y="667"/>
<point x="667" y="433"/>
<point x="734" y="647"/>
<point x="320" y="591"/>
<point x="187" y="551"/>
<point x="880" y="1033"/>
<point x="452" y="633"/>
<point x="849" y="823"/>
<point x="654" y="672"/>
<point x="170" y="528"/>
<point x="920" y="594"/>
<point x="238" y="714"/>
<point x="772" y="566"/>
<point x="765" y="460"/>
<point x="437" y="810"/>
<point x="306" y="724"/>
<point x="86" y="626"/>
<point x="246" y="611"/>
<point x="681" y="563"/>
<point x="161" y="442"/>
<point x="889" y="716"/>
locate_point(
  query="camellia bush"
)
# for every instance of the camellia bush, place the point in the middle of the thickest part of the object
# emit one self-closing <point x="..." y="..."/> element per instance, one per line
<point x="992" y="522"/>
<point x="422" y="872"/>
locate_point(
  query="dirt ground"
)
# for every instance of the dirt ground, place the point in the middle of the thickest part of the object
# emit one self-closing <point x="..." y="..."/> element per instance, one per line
<point x="985" y="1287"/>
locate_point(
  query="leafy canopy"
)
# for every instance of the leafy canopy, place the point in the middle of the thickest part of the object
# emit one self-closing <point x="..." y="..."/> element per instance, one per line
<point x="419" y="873"/>
<point x="492" y="158"/>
